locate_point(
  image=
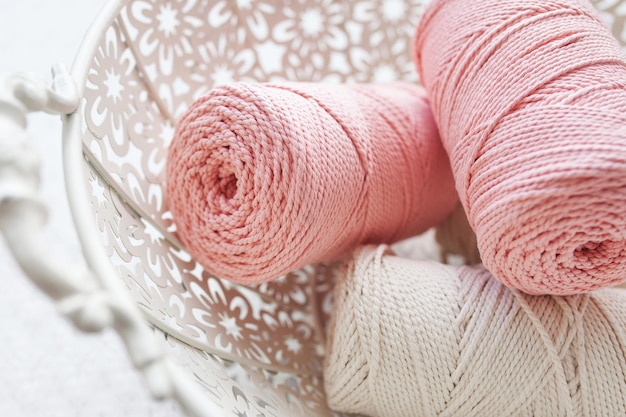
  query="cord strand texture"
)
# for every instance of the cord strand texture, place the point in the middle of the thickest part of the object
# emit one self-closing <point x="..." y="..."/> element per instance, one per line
<point x="265" y="178"/>
<point x="413" y="338"/>
<point x="530" y="99"/>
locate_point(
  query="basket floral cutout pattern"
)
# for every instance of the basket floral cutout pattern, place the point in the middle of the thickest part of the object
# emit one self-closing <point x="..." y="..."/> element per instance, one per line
<point x="273" y="326"/>
<point x="242" y="390"/>
<point x="153" y="60"/>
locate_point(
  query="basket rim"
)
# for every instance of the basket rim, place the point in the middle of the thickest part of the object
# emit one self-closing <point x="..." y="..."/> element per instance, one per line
<point x="73" y="167"/>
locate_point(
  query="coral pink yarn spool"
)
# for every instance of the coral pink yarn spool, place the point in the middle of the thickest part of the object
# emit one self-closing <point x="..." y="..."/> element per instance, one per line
<point x="530" y="99"/>
<point x="263" y="179"/>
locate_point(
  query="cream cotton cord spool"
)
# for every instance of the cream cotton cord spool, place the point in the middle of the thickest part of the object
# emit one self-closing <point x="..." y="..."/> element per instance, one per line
<point x="418" y="338"/>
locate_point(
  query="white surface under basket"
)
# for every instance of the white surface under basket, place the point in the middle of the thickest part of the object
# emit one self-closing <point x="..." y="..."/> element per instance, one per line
<point x="48" y="370"/>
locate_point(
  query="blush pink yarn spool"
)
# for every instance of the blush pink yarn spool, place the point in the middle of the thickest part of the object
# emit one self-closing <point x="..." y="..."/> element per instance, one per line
<point x="263" y="179"/>
<point x="530" y="99"/>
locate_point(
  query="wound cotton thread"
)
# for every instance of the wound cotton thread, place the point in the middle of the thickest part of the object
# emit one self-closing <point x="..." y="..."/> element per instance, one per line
<point x="417" y="338"/>
<point x="263" y="179"/>
<point x="530" y="99"/>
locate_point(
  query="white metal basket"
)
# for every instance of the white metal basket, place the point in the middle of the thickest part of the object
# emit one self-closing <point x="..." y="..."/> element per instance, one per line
<point x="216" y="347"/>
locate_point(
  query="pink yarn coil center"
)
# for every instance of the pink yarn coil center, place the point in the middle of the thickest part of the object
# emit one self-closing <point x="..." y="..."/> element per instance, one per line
<point x="264" y="179"/>
<point x="530" y="98"/>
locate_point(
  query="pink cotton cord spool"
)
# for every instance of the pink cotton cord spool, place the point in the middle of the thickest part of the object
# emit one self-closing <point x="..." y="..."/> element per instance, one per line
<point x="530" y="99"/>
<point x="263" y="179"/>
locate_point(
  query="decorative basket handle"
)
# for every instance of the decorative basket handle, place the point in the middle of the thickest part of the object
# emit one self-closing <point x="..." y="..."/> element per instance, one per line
<point x="78" y="294"/>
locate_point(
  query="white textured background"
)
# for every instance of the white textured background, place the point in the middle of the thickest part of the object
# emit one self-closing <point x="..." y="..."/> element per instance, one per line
<point x="46" y="367"/>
